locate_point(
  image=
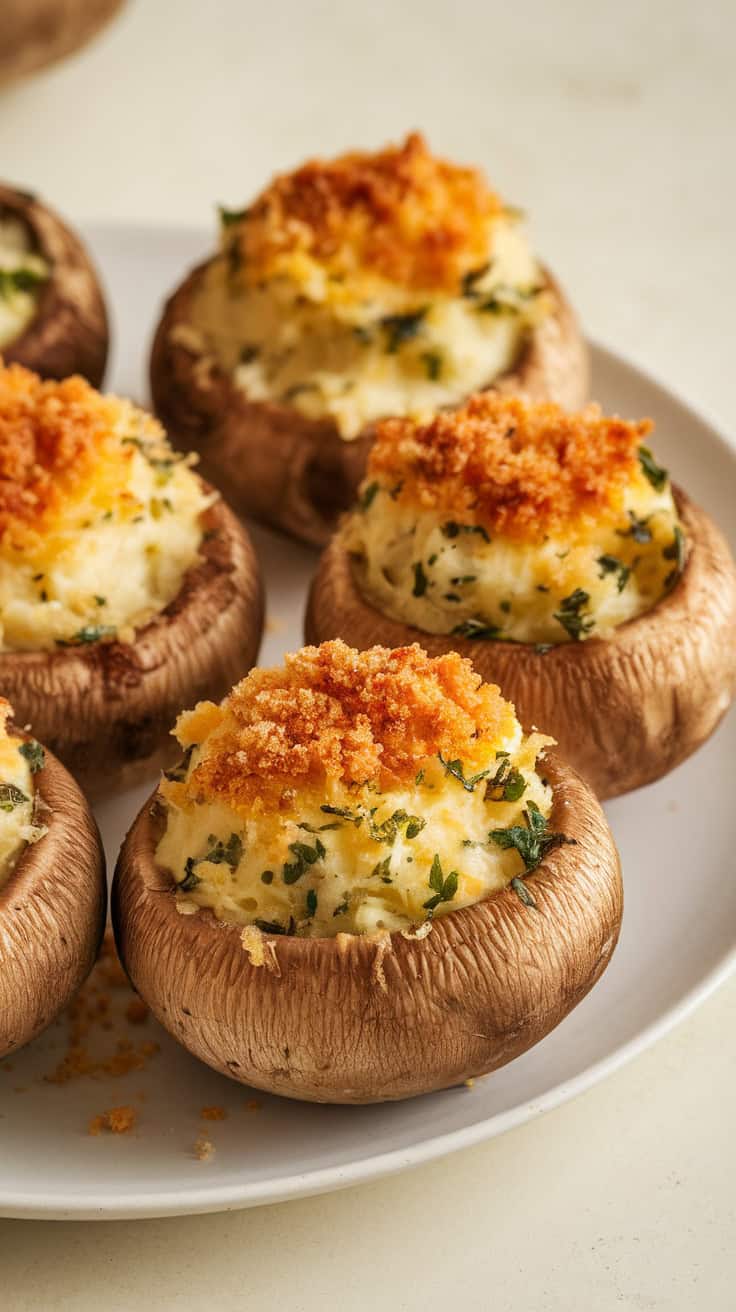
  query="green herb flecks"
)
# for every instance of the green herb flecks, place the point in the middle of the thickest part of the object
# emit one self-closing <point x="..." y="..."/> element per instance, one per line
<point x="305" y="856"/>
<point x="368" y="496"/>
<point x="532" y="840"/>
<point x="469" y="281"/>
<point x="638" y="529"/>
<point x="34" y="754"/>
<point x="675" y="551"/>
<point x="571" y="614"/>
<point x="10" y="797"/>
<point x="341" y="909"/>
<point x="90" y="633"/>
<point x="382" y="870"/>
<point x="19" y="280"/>
<point x="456" y="769"/>
<point x="474" y="628"/>
<point x="507" y="784"/>
<point x="420" y="580"/>
<point x="444" y="886"/>
<point x="273" y="926"/>
<point x="228" y="218"/>
<point x="612" y="565"/>
<point x="655" y="473"/>
<point x="522" y="892"/>
<point x="311" y="902"/>
<point x="401" y="328"/>
<point x="387" y="830"/>
<point x="452" y="529"/>
<point x="433" y="362"/>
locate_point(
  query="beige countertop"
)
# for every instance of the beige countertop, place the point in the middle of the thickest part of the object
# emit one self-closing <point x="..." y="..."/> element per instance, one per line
<point x="613" y="126"/>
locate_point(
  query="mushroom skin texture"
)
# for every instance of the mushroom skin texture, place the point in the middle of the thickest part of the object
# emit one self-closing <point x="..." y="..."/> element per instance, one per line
<point x="624" y="710"/>
<point x="69" y="332"/>
<point x="37" y="33"/>
<point x="52" y="910"/>
<point x="357" y="1019"/>
<point x="106" y="709"/>
<point x="298" y="474"/>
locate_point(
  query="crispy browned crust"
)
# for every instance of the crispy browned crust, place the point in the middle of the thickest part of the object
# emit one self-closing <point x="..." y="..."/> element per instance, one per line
<point x="36" y="33"/>
<point x="624" y="710"/>
<point x="69" y="333"/>
<point x="107" y="709"/>
<point x="356" y="1020"/>
<point x="52" y="911"/>
<point x="298" y="474"/>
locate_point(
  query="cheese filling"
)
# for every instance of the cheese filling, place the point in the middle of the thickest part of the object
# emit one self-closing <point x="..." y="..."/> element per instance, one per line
<point x="369" y="285"/>
<point x="23" y="274"/>
<point x="448" y="568"/>
<point x="335" y="854"/>
<point x="19" y="760"/>
<point x="99" y="518"/>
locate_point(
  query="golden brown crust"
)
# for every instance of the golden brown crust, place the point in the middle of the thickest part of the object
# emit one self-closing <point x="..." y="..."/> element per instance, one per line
<point x="37" y="33"/>
<point x="298" y="474"/>
<point x="107" y="709"/>
<point x="69" y="333"/>
<point x="52" y="911"/>
<point x="335" y="714"/>
<point x="522" y="471"/>
<point x="624" y="710"/>
<point x="356" y="1019"/>
<point x="401" y="214"/>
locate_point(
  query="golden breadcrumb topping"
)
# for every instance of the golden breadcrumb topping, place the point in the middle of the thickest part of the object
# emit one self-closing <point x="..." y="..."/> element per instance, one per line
<point x="519" y="470"/>
<point x="402" y="213"/>
<point x="51" y="437"/>
<point x="333" y="713"/>
<point x="118" y="1120"/>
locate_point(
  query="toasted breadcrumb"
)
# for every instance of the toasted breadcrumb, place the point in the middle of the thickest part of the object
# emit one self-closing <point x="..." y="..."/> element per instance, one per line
<point x="335" y="713"/>
<point x="204" y="1149"/>
<point x="52" y="434"/>
<point x="213" y="1113"/>
<point x="253" y="1105"/>
<point x="518" y="470"/>
<point x="401" y="213"/>
<point x="118" y="1120"/>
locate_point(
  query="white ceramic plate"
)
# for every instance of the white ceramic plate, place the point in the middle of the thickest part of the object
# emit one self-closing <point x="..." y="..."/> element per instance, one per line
<point x="678" y="941"/>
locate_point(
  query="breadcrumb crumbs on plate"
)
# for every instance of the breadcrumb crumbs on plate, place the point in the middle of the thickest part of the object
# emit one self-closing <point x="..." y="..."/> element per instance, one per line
<point x="253" y="1105"/>
<point x="118" y="1120"/>
<point x="333" y="714"/>
<point x="204" y="1149"/>
<point x="402" y="214"/>
<point x="520" y="470"/>
<point x="213" y="1113"/>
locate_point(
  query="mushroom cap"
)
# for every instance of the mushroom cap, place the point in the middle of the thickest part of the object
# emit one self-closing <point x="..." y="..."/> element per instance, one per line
<point x="37" y="33"/>
<point x="107" y="709"/>
<point x="298" y="474"/>
<point x="69" y="332"/>
<point x="624" y="710"/>
<point x="357" y="1019"/>
<point x="52" y="911"/>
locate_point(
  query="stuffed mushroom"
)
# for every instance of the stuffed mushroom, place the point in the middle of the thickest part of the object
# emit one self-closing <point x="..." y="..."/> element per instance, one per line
<point x="364" y="882"/>
<point x="372" y="284"/>
<point x="52" y="311"/>
<point x="553" y="550"/>
<point x="53" y="895"/>
<point x="126" y="585"/>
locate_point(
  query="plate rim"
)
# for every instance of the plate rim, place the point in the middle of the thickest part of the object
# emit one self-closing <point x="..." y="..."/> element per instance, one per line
<point x="201" y="1199"/>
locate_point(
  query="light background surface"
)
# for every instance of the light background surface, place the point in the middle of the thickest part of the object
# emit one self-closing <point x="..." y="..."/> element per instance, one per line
<point x="613" y="126"/>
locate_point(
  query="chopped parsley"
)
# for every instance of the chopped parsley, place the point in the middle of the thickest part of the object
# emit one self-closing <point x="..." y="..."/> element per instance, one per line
<point x="230" y="217"/>
<point x="311" y="902"/>
<point x="367" y="497"/>
<point x="420" y="580"/>
<point x="387" y="831"/>
<point x="220" y="853"/>
<point x="571" y="617"/>
<point x="612" y="565"/>
<point x="341" y="909"/>
<point x="507" y="785"/>
<point x="654" y="472"/>
<point x="675" y="551"/>
<point x="10" y="797"/>
<point x="19" y="280"/>
<point x="638" y="529"/>
<point x="90" y="633"/>
<point x="455" y="768"/>
<point x="432" y="361"/>
<point x="444" y="886"/>
<point x="382" y="869"/>
<point x="34" y="754"/>
<point x="473" y="628"/>
<point x="531" y="840"/>
<point x="522" y="892"/>
<point x="469" y="280"/>
<point x="400" y="328"/>
<point x="273" y="926"/>
<point x="306" y="856"/>
<point x="453" y="530"/>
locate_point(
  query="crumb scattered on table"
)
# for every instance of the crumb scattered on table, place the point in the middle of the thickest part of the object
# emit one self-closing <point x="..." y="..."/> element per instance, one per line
<point x="204" y="1149"/>
<point x="213" y="1113"/>
<point x="118" y="1120"/>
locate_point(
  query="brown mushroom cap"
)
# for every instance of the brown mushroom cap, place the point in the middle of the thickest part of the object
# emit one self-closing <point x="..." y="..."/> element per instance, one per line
<point x="52" y="911"/>
<point x="358" y="1019"/>
<point x="69" y="332"/>
<point x="294" y="473"/>
<point x="107" y="708"/>
<point x="37" y="33"/>
<point x="624" y="710"/>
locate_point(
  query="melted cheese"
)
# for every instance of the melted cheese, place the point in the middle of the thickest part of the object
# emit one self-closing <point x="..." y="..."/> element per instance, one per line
<point x="22" y="276"/>
<point x="17" y="828"/>
<point x="111" y="546"/>
<point x="349" y="827"/>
